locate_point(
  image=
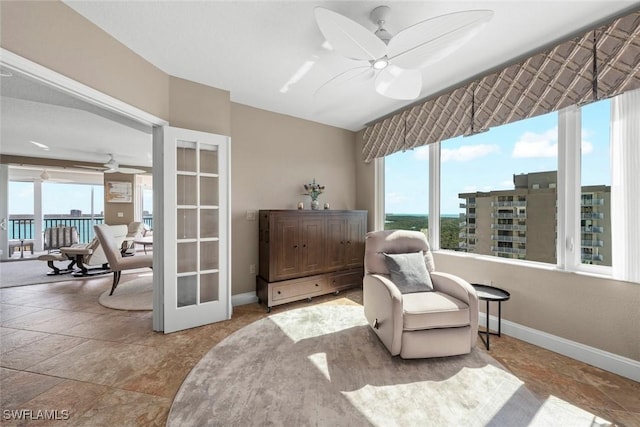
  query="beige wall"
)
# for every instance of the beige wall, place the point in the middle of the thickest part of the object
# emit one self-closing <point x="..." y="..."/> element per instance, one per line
<point x="365" y="182"/>
<point x="196" y="106"/>
<point x="55" y="36"/>
<point x="272" y="156"/>
<point x="597" y="312"/>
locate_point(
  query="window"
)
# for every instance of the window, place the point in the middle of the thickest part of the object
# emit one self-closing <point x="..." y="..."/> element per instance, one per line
<point x="559" y="188"/>
<point x="406" y="194"/>
<point x="595" y="182"/>
<point x="499" y="186"/>
<point x="21" y="208"/>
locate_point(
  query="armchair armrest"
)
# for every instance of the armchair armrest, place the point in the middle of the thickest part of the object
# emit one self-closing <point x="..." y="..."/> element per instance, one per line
<point x="462" y="290"/>
<point x="382" y="302"/>
<point x="77" y="250"/>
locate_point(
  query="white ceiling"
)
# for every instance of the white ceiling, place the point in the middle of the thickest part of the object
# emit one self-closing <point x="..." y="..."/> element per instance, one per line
<point x="253" y="49"/>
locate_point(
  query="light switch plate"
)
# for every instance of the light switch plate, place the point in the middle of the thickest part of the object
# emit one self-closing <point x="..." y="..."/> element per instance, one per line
<point x="251" y="215"/>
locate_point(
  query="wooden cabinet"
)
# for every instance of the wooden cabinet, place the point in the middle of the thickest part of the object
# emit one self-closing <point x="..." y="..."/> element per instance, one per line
<point x="309" y="253"/>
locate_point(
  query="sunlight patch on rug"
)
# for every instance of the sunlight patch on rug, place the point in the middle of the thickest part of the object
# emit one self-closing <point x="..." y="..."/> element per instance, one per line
<point x="322" y="365"/>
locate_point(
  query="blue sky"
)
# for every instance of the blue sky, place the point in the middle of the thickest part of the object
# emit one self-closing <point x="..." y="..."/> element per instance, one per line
<point x="60" y="198"/>
<point x="488" y="161"/>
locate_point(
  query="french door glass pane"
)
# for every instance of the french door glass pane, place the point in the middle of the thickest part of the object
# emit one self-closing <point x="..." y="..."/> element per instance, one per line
<point x="186" y="190"/>
<point x="187" y="257"/>
<point x="208" y="191"/>
<point x="187" y="290"/>
<point x="208" y="255"/>
<point x="187" y="221"/>
<point x="209" y="159"/>
<point x="186" y="156"/>
<point x="209" y="287"/>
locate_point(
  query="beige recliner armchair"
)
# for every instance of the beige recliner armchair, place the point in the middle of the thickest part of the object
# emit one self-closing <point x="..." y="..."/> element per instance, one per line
<point x="411" y="319"/>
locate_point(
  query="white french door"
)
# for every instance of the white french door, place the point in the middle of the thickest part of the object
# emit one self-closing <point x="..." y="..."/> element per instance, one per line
<point x="195" y="229"/>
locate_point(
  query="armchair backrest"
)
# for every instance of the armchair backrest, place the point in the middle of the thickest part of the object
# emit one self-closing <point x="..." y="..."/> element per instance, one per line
<point x="393" y="242"/>
<point x="110" y="238"/>
<point x="60" y="236"/>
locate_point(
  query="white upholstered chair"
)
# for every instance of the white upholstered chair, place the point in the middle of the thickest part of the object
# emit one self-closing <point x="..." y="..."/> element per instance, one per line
<point x="411" y="319"/>
<point x="118" y="263"/>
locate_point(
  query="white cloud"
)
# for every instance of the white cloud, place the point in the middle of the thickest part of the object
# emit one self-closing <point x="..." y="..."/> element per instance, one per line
<point x="532" y="144"/>
<point x="587" y="147"/>
<point x="545" y="144"/>
<point x="421" y="153"/>
<point x="468" y="152"/>
<point x="394" y="198"/>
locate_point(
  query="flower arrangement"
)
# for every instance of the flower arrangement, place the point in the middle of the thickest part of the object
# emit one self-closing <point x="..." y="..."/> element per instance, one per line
<point x="313" y="190"/>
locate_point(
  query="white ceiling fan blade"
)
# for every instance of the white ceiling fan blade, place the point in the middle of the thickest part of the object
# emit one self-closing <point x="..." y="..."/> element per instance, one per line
<point x="349" y="38"/>
<point x="429" y="41"/>
<point x="397" y="83"/>
<point x="358" y="74"/>
<point x="125" y="170"/>
<point x="95" y="168"/>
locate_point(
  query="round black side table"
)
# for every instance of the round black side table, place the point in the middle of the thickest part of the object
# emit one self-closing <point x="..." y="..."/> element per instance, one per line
<point x="490" y="293"/>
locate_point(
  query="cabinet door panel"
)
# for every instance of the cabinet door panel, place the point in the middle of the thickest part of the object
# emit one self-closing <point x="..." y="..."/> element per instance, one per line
<point x="286" y="260"/>
<point x="335" y="243"/>
<point x="354" y="243"/>
<point x="312" y="245"/>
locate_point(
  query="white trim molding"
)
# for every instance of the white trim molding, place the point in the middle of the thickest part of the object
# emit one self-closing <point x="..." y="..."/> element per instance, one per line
<point x="245" y="298"/>
<point x="611" y="362"/>
<point x="72" y="87"/>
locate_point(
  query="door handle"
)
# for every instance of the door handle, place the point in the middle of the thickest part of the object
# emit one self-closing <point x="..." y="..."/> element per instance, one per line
<point x="3" y="224"/>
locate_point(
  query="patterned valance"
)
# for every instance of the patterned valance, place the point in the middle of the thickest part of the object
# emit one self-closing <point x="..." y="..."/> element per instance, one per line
<point x="601" y="63"/>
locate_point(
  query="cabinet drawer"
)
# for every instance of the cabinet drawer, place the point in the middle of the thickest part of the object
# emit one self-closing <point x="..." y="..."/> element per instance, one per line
<point x="297" y="289"/>
<point x="343" y="281"/>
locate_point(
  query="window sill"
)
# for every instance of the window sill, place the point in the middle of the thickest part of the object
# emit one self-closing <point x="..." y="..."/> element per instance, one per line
<point x="526" y="264"/>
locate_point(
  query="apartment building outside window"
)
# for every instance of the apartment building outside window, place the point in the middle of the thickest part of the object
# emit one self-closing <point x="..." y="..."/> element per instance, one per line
<point x="558" y="189"/>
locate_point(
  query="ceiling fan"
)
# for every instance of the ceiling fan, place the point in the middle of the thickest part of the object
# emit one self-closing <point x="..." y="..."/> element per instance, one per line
<point x="112" y="166"/>
<point x="45" y="176"/>
<point x="396" y="61"/>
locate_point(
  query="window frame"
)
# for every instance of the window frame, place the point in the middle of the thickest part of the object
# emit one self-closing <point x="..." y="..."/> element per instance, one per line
<point x="569" y="190"/>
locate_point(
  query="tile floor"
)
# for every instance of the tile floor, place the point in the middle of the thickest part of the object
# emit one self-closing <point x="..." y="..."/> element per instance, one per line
<point x="61" y="350"/>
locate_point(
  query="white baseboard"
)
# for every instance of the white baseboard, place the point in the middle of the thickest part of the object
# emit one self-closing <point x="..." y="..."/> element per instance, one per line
<point x="242" y="299"/>
<point x="611" y="362"/>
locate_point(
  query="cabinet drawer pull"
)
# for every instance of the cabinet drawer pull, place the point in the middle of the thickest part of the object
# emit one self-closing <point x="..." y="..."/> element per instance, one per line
<point x="317" y="285"/>
<point x="295" y="246"/>
<point x="279" y="292"/>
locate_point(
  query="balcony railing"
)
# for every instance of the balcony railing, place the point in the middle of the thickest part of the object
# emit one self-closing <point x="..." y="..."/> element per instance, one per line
<point x="592" y="229"/>
<point x="23" y="228"/>
<point x="512" y="203"/>
<point x="500" y="249"/>
<point x="517" y="239"/>
<point x="591" y="202"/>
<point x="592" y="243"/>
<point x="592" y="257"/>
<point x="592" y="215"/>
<point x="509" y="215"/>
<point x="514" y="227"/>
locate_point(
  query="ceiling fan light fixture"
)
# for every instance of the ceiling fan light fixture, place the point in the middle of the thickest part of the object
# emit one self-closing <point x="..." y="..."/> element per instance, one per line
<point x="383" y="35"/>
<point x="380" y="64"/>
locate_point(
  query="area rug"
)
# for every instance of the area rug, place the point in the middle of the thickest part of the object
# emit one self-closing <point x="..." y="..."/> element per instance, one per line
<point x="322" y="366"/>
<point x="30" y="272"/>
<point x="136" y="294"/>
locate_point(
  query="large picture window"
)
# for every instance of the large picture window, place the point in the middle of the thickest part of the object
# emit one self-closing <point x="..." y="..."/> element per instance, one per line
<point x="406" y="193"/>
<point x="537" y="190"/>
<point x="595" y="182"/>
<point x="501" y="185"/>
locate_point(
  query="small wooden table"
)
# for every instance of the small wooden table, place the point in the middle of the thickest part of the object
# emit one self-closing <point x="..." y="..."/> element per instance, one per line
<point x="144" y="241"/>
<point x="490" y="293"/>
